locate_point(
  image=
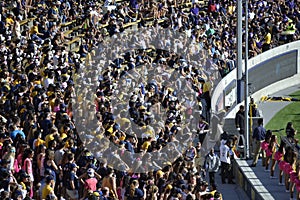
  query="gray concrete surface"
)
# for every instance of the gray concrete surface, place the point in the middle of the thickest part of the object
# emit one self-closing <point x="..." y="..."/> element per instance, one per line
<point x="258" y="174"/>
<point x="269" y="109"/>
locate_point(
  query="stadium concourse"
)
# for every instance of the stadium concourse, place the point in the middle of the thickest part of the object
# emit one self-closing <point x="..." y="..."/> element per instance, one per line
<point x="45" y="48"/>
<point x="270" y="187"/>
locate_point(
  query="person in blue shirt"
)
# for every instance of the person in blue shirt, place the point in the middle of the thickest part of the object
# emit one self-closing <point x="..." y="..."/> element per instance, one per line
<point x="133" y="192"/>
<point x="16" y="131"/>
<point x="258" y="137"/>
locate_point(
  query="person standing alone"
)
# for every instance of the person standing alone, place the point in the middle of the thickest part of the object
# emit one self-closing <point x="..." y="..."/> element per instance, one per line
<point x="240" y="124"/>
<point x="226" y="162"/>
<point x="258" y="137"/>
<point x="212" y="163"/>
<point x="240" y="120"/>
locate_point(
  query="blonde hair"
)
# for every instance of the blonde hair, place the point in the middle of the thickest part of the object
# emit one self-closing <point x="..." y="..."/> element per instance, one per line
<point x="152" y="191"/>
<point x="132" y="187"/>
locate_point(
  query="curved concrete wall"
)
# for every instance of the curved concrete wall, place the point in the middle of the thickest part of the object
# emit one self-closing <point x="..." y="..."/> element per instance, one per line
<point x="269" y="72"/>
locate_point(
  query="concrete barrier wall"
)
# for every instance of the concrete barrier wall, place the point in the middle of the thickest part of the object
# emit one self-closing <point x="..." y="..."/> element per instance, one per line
<point x="248" y="181"/>
<point x="269" y="72"/>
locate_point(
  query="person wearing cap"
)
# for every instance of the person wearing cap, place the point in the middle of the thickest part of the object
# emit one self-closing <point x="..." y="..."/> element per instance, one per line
<point x="89" y="180"/>
<point x="49" y="187"/>
<point x="160" y="181"/>
<point x="72" y="183"/>
<point x="203" y="189"/>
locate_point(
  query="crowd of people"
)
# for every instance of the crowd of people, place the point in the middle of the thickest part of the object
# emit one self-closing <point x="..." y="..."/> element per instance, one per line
<point x="78" y="125"/>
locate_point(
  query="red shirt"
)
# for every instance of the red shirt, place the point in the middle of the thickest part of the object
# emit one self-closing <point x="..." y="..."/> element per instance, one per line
<point x="212" y="8"/>
<point x="91" y="183"/>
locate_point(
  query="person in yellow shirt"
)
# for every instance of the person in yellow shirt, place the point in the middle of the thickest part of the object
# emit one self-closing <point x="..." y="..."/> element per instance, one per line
<point x="267" y="40"/>
<point x="146" y="144"/>
<point x="35" y="29"/>
<point x="51" y="136"/>
<point x="48" y="189"/>
<point x="9" y="20"/>
<point x="34" y="32"/>
<point x="231" y="9"/>
<point x="38" y="141"/>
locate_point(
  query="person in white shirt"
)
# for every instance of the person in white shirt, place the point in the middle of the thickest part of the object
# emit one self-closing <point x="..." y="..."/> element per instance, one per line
<point x="225" y="162"/>
<point x="212" y="163"/>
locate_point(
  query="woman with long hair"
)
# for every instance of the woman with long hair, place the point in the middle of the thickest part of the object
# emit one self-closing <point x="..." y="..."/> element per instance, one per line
<point x="278" y="158"/>
<point x="297" y="180"/>
<point x="152" y="192"/>
<point x="133" y="192"/>
<point x="41" y="154"/>
<point x="271" y="150"/>
<point x="290" y="157"/>
<point x="50" y="164"/>
<point x="27" y="167"/>
<point x="290" y="131"/>
<point x="264" y="145"/>
<point x="284" y="162"/>
<point x="293" y="173"/>
<point x="109" y="181"/>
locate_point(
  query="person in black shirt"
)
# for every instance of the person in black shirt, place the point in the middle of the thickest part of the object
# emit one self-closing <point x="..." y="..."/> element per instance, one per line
<point x="290" y="131"/>
<point x="72" y="183"/>
<point x="253" y="111"/>
<point x="240" y="120"/>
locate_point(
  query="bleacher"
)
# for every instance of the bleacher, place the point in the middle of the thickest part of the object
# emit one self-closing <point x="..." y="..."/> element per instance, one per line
<point x="73" y="30"/>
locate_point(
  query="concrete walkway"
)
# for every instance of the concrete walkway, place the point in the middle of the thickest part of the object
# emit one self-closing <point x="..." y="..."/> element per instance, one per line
<point x="230" y="191"/>
<point x="269" y="109"/>
<point x="269" y="187"/>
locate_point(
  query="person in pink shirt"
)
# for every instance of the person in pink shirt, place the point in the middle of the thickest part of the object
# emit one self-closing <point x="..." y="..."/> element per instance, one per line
<point x="27" y="167"/>
<point x="90" y="180"/>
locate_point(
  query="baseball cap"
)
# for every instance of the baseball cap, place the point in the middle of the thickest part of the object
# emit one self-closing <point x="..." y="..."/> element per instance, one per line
<point x="91" y="172"/>
<point x="24" y="175"/>
<point x="49" y="178"/>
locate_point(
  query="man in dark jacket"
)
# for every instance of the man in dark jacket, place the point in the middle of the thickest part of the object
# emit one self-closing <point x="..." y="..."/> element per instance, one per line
<point x="240" y="120"/>
<point x="259" y="134"/>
